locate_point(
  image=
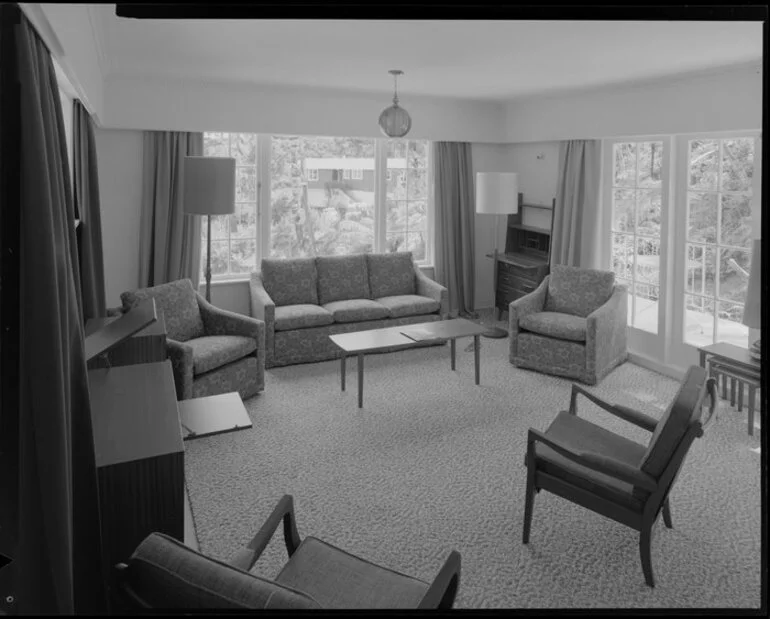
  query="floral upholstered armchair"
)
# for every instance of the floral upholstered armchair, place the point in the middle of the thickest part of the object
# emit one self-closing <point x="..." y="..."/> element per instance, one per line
<point x="572" y="325"/>
<point x="212" y="350"/>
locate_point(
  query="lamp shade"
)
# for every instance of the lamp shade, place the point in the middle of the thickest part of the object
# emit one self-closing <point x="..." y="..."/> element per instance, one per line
<point x="209" y="185"/>
<point x="497" y="193"/>
<point x="752" y="312"/>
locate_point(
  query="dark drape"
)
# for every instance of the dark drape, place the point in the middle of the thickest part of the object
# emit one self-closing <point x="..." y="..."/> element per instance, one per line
<point x="455" y="212"/>
<point x="57" y="564"/>
<point x="86" y="186"/>
<point x="170" y="241"/>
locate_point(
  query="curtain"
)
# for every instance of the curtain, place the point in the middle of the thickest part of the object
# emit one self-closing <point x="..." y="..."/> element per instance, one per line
<point x="579" y="236"/>
<point x="454" y="211"/>
<point x="86" y="181"/>
<point x="170" y="241"/>
<point x="57" y="567"/>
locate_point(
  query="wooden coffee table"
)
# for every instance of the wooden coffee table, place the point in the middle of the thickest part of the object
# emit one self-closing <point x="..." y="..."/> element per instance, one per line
<point x="407" y="336"/>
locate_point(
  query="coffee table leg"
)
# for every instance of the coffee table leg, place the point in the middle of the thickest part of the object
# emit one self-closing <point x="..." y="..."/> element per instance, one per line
<point x="702" y="358"/>
<point x="360" y="381"/>
<point x="342" y="371"/>
<point x="752" y="401"/>
<point x="476" y="356"/>
<point x="454" y="351"/>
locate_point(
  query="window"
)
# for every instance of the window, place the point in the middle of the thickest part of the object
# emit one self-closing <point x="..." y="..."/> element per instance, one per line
<point x="407" y="197"/>
<point x="234" y="237"/>
<point x="311" y="174"/>
<point x="357" y="174"/>
<point x="346" y="173"/>
<point x="718" y="239"/>
<point x="636" y="218"/>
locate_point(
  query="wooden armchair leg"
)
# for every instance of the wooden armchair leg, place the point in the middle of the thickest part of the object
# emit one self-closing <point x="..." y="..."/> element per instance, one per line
<point x="667" y="515"/>
<point x="645" y="543"/>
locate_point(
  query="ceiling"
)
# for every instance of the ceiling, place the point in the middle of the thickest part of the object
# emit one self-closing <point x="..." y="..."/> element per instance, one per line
<point x="480" y="59"/>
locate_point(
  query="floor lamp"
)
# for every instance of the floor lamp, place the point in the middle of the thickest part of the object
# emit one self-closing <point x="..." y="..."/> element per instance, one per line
<point x="752" y="312"/>
<point x="497" y="193"/>
<point x="209" y="189"/>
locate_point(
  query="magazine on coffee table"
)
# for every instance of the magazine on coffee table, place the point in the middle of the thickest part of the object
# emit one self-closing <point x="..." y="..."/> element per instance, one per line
<point x="420" y="334"/>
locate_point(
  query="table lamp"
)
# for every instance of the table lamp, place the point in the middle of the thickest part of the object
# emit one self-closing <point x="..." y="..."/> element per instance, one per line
<point x="497" y="193"/>
<point x="752" y="311"/>
<point x="209" y="189"/>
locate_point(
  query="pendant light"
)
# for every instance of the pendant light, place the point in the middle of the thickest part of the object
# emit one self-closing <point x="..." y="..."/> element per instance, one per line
<point x="394" y="120"/>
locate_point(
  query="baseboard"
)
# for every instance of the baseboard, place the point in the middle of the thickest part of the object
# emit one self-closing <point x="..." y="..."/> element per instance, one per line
<point x="674" y="372"/>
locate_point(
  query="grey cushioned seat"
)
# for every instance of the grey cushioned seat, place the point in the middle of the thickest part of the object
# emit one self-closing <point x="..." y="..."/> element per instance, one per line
<point x="289" y="317"/>
<point x="356" y="310"/>
<point x="337" y="579"/>
<point x="556" y="324"/>
<point x="409" y="305"/>
<point x="213" y="351"/>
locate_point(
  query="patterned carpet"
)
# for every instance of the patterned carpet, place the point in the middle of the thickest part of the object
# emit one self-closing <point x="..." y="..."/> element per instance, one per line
<point x="433" y="462"/>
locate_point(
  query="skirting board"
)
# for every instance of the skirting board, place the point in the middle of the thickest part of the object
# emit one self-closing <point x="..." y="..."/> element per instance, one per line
<point x="656" y="366"/>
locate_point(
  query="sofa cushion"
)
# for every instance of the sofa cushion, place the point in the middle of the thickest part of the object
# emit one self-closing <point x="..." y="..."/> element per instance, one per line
<point x="356" y="310"/>
<point x="177" y="302"/>
<point x="572" y="290"/>
<point x="342" y="277"/>
<point x="391" y="274"/>
<point x="290" y="317"/>
<point x="214" y="351"/>
<point x="555" y="324"/>
<point x="290" y="282"/>
<point x="409" y="305"/>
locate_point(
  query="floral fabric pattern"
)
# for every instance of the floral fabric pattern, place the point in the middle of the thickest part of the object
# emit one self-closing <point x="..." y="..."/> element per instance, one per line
<point x="178" y="303"/>
<point x="301" y="316"/>
<point x="291" y="282"/>
<point x="409" y="305"/>
<point x="242" y="376"/>
<point x="554" y="324"/>
<point x="211" y="352"/>
<point x="356" y="310"/>
<point x="342" y="277"/>
<point x="391" y="274"/>
<point x="577" y="291"/>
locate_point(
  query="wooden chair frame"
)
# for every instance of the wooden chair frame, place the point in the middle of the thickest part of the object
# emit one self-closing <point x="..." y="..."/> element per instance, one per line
<point x="658" y="489"/>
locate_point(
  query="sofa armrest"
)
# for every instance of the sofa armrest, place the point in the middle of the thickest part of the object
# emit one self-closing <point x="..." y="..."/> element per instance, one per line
<point x="426" y="287"/>
<point x="181" y="356"/>
<point x="528" y="304"/>
<point x="263" y="308"/>
<point x="606" y="332"/>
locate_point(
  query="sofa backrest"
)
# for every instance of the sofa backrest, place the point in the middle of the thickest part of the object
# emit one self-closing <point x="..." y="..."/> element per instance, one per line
<point x="578" y="291"/>
<point x="291" y="281"/>
<point x="391" y="274"/>
<point x="178" y="303"/>
<point x="342" y="277"/>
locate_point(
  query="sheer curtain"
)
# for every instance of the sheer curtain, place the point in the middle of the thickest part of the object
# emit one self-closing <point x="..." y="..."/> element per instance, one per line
<point x="578" y="236"/>
<point x="454" y="202"/>
<point x="57" y="557"/>
<point x="170" y="241"/>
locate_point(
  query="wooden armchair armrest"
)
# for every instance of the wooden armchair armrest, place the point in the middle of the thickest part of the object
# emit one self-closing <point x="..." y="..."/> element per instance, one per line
<point x="245" y="558"/>
<point x="623" y="412"/>
<point x="442" y="591"/>
<point x="596" y="462"/>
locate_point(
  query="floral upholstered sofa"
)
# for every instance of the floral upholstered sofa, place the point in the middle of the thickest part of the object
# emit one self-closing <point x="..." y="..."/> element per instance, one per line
<point x="303" y="301"/>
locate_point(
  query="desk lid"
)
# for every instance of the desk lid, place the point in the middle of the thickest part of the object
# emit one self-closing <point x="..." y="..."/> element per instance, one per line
<point x="112" y="334"/>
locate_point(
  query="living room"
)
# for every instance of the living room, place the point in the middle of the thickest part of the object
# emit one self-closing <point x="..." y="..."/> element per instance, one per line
<point x="430" y="458"/>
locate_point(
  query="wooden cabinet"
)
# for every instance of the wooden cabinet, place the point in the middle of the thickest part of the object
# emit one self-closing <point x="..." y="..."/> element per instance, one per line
<point x="525" y="262"/>
<point x="145" y="346"/>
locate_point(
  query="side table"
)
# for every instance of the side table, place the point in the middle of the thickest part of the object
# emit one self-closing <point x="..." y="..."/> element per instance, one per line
<point x="145" y="346"/>
<point x="735" y="363"/>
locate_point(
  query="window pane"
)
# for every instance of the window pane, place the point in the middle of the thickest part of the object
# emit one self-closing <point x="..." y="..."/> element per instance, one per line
<point x="647" y="299"/>
<point x="625" y="165"/>
<point x="629" y="290"/>
<point x="648" y="211"/>
<point x="244" y="221"/>
<point x="735" y="227"/>
<point x="698" y="320"/>
<point x="702" y="217"/>
<point x="395" y="242"/>
<point x="704" y="164"/>
<point x="733" y="274"/>
<point x="219" y="251"/>
<point x="650" y="155"/>
<point x="418" y="154"/>
<point x="737" y="164"/>
<point x="415" y="242"/>
<point x="396" y="220"/>
<point x="701" y="269"/>
<point x="730" y="329"/>
<point x="622" y="255"/>
<point x="417" y="184"/>
<point x="396" y="186"/>
<point x="648" y="261"/>
<point x="243" y="146"/>
<point x="245" y="184"/>
<point x="397" y="150"/>
<point x="220" y="227"/>
<point x="623" y="210"/>
<point x="243" y="256"/>
<point x="216" y="144"/>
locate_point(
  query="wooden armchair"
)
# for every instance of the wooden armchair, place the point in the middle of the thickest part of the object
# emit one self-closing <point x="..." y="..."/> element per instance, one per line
<point x="614" y="476"/>
<point x="165" y="574"/>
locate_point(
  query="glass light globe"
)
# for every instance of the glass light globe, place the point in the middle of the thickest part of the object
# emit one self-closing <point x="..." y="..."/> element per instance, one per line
<point x="395" y="121"/>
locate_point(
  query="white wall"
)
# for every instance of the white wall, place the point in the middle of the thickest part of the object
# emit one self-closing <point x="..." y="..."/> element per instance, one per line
<point x="188" y="105"/>
<point x="728" y="100"/>
<point x="119" y="158"/>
